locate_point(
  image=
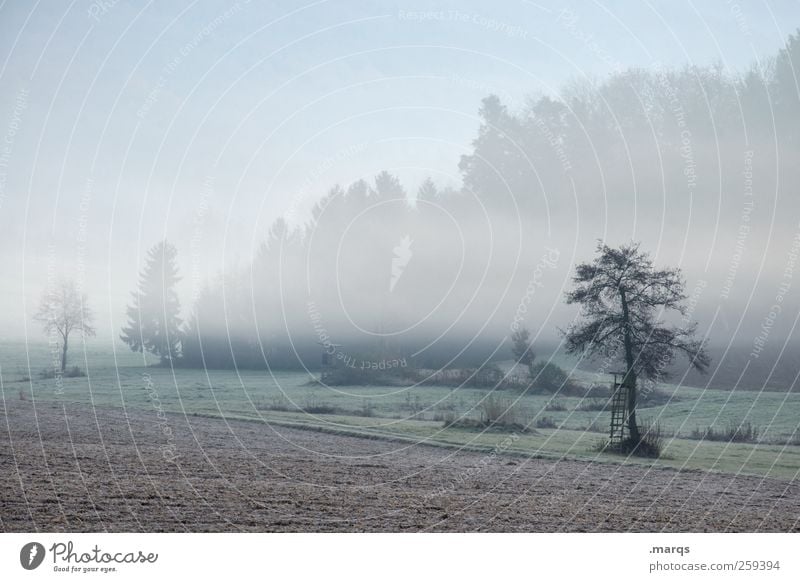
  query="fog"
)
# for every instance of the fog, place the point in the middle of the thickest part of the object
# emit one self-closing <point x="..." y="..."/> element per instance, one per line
<point x="411" y="180"/>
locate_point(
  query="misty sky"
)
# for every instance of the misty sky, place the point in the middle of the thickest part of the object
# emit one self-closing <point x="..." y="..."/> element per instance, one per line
<point x="123" y="123"/>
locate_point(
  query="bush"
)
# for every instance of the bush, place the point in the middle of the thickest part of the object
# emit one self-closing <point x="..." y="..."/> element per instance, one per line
<point x="650" y="445"/>
<point x="546" y="422"/>
<point x="413" y="403"/>
<point x="547" y="377"/>
<point x="556" y="406"/>
<point x="444" y="411"/>
<point x="347" y="376"/>
<point x="279" y="403"/>
<point x="311" y="405"/>
<point x="51" y="373"/>
<point x="367" y="408"/>
<point x="488" y="375"/>
<point x="472" y="424"/>
<point x="496" y="410"/>
<point x="314" y="405"/>
<point x="593" y="405"/>
<point x="369" y="370"/>
<point x="448" y="419"/>
<point x="496" y="413"/>
<point x="743" y="432"/>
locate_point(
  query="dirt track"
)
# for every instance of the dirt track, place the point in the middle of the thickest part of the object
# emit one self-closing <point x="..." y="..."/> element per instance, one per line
<point x="60" y="472"/>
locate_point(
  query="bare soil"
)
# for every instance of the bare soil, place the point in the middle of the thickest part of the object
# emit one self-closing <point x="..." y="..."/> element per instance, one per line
<point x="68" y="467"/>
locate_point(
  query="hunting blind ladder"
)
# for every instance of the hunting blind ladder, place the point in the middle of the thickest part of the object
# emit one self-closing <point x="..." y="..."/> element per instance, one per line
<point x="619" y="409"/>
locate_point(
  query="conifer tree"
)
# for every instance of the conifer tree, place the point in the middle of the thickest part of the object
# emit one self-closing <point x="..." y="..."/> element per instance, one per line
<point x="153" y="316"/>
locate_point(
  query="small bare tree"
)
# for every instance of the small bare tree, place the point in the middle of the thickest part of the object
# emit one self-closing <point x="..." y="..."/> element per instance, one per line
<point x="64" y="309"/>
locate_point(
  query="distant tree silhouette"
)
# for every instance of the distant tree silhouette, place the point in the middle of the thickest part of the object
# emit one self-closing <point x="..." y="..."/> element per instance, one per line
<point x="522" y="350"/>
<point x="534" y="168"/>
<point x="785" y="89"/>
<point x="427" y="191"/>
<point x="153" y="317"/>
<point x="621" y="294"/>
<point x="65" y="309"/>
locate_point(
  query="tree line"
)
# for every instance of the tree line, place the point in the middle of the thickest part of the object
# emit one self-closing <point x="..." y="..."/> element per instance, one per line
<point x="532" y="162"/>
<point x="524" y="167"/>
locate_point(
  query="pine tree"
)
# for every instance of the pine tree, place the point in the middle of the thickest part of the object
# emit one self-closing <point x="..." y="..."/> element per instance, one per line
<point x="153" y="317"/>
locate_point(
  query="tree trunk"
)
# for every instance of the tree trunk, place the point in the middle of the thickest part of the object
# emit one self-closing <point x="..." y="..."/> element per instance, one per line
<point x="64" y="354"/>
<point x="630" y="375"/>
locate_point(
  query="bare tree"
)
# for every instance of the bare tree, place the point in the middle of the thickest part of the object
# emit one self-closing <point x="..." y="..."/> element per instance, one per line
<point x="622" y="295"/>
<point x="64" y="309"/>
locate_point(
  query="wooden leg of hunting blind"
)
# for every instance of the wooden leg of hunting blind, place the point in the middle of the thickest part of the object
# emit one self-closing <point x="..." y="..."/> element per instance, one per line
<point x="619" y="412"/>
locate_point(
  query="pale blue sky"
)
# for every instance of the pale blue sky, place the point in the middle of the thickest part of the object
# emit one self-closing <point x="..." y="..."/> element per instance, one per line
<point x="122" y="111"/>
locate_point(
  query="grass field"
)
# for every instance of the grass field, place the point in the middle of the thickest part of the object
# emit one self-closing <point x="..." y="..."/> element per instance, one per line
<point x="416" y="414"/>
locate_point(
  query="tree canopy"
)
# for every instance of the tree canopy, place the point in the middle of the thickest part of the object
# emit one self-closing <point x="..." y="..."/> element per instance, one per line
<point x="63" y="310"/>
